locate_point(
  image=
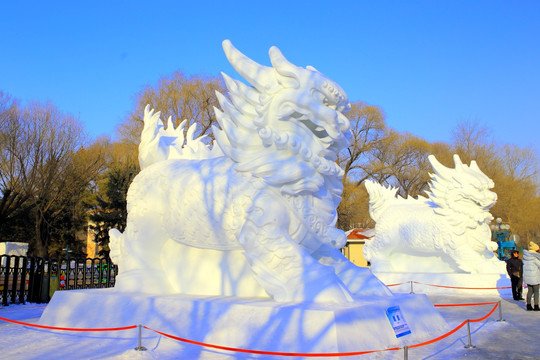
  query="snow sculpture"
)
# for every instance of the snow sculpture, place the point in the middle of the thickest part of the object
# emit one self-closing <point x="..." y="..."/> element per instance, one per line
<point x="253" y="215"/>
<point x="447" y="232"/>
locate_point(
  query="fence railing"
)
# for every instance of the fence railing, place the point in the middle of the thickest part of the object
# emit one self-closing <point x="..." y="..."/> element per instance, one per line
<point x="34" y="279"/>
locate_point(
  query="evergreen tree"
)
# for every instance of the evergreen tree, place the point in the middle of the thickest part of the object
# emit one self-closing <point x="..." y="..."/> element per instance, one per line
<point x="111" y="209"/>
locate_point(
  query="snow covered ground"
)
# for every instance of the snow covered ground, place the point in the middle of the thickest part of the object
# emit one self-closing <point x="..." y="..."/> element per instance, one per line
<point x="514" y="338"/>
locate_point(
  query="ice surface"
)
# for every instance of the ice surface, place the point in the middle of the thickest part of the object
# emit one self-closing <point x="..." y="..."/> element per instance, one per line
<point x="447" y="232"/>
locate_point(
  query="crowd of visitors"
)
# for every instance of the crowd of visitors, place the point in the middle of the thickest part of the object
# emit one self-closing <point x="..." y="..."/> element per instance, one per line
<point x="528" y="272"/>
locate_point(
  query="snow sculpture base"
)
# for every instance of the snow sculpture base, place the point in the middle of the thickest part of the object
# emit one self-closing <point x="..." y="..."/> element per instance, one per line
<point x="257" y="324"/>
<point x="482" y="284"/>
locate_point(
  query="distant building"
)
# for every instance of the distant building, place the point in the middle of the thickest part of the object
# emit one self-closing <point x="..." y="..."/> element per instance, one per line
<point x="12" y="249"/>
<point x="353" y="250"/>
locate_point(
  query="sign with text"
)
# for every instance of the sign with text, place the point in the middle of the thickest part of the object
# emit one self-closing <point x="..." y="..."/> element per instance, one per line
<point x="397" y="321"/>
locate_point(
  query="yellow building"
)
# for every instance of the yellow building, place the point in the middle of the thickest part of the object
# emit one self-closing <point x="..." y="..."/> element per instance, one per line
<point x="353" y="250"/>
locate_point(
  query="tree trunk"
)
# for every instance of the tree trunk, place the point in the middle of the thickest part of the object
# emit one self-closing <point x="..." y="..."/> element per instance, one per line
<point x="42" y="236"/>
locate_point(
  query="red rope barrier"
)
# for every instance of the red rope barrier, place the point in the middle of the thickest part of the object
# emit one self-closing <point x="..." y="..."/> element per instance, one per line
<point x="67" y="329"/>
<point x="396" y="284"/>
<point x="458" y="327"/>
<point x="261" y="352"/>
<point x="473" y="304"/>
<point x="461" y="287"/>
<point x="440" y="337"/>
<point x="487" y="315"/>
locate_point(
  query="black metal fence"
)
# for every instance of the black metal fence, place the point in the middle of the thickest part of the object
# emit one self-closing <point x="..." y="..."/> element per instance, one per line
<point x="33" y="279"/>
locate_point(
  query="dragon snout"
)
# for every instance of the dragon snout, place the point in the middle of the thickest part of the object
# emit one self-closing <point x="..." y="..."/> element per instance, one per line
<point x="344" y="123"/>
<point x="339" y="129"/>
<point x="488" y="200"/>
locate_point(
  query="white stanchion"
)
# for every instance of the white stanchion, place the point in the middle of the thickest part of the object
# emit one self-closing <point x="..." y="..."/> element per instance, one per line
<point x="500" y="312"/>
<point x="140" y="347"/>
<point x="469" y="345"/>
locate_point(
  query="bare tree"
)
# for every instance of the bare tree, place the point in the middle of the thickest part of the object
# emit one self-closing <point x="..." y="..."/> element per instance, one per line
<point x="53" y="169"/>
<point x="472" y="141"/>
<point x="368" y="131"/>
<point x="517" y="188"/>
<point x="14" y="182"/>
<point x="519" y="163"/>
<point x="179" y="97"/>
<point x="401" y="161"/>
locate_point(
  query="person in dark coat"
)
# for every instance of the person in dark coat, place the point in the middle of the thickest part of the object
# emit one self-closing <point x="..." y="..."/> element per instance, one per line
<point x="514" y="267"/>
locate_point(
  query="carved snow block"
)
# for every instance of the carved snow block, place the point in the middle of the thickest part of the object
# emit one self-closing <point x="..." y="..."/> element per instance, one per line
<point x="257" y="324"/>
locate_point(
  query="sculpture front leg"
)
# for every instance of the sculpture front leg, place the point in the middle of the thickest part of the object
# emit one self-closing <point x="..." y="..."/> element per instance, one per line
<point x="283" y="268"/>
<point x="477" y="263"/>
<point x="137" y="253"/>
<point x="359" y="280"/>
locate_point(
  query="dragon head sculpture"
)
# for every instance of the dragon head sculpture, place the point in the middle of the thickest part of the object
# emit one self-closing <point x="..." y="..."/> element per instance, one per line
<point x="463" y="193"/>
<point x="286" y="128"/>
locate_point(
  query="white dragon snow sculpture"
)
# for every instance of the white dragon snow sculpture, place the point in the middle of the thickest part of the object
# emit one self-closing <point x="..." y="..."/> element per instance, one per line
<point x="254" y="215"/>
<point x="447" y="232"/>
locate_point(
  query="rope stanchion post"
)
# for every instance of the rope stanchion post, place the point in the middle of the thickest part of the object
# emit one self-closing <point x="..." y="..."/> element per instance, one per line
<point x="469" y="345"/>
<point x="405" y="353"/>
<point x="412" y="290"/>
<point x="500" y="312"/>
<point x="140" y="347"/>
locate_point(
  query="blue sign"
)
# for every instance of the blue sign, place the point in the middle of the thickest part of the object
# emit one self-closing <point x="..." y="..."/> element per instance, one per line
<point x="397" y="321"/>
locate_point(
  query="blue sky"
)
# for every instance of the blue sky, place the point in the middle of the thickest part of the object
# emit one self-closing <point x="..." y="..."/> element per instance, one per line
<point x="428" y="64"/>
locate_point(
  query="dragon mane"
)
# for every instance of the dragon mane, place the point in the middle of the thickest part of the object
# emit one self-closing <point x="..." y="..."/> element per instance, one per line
<point x="462" y="194"/>
<point x="272" y="130"/>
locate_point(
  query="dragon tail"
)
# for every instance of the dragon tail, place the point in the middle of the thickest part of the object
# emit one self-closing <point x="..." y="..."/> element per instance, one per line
<point x="160" y="142"/>
<point x="379" y="198"/>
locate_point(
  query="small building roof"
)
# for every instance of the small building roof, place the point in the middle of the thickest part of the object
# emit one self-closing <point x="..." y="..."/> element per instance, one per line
<point x="360" y="234"/>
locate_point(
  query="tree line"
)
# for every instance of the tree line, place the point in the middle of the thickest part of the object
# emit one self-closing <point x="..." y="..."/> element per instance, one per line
<point x="55" y="184"/>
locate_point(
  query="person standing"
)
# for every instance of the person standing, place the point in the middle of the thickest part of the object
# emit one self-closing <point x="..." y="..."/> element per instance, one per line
<point x="514" y="267"/>
<point x="531" y="274"/>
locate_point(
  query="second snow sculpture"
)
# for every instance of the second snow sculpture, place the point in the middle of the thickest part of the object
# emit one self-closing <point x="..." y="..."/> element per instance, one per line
<point x="447" y="232"/>
<point x="254" y="215"/>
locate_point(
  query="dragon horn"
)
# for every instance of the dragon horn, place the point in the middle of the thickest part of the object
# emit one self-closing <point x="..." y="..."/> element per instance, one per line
<point x="281" y="64"/>
<point x="474" y="166"/>
<point x="260" y="76"/>
<point x="457" y="161"/>
<point x="439" y="168"/>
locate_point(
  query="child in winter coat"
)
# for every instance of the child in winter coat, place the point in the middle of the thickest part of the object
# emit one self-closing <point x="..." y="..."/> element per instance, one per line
<point x="531" y="274"/>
